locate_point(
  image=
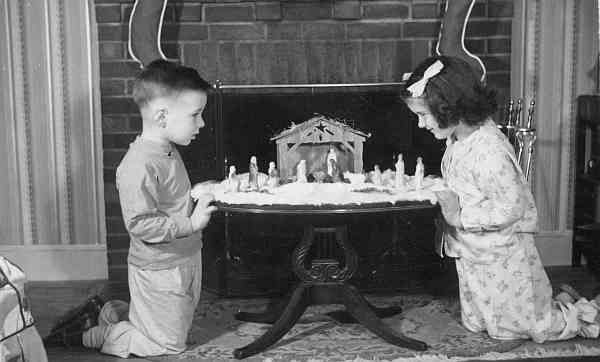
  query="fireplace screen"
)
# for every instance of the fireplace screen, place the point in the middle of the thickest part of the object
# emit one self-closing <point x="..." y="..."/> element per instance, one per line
<point x="254" y="257"/>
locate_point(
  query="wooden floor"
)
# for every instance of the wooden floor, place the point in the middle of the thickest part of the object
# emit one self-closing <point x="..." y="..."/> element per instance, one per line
<point x="50" y="300"/>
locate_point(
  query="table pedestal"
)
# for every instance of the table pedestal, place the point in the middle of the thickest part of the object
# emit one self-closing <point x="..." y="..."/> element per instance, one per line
<point x="323" y="282"/>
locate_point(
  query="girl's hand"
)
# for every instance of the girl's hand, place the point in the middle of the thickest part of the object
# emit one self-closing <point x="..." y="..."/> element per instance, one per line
<point x="450" y="205"/>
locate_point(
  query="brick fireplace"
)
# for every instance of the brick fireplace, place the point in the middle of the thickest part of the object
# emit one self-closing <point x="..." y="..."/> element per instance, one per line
<point x="285" y="43"/>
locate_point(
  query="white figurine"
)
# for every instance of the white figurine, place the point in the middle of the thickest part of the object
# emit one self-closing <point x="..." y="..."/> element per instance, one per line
<point x="336" y="175"/>
<point x="273" y="175"/>
<point x="232" y="172"/>
<point x="399" y="179"/>
<point x="233" y="184"/>
<point x="376" y="176"/>
<point x="419" y="173"/>
<point x="331" y="156"/>
<point x="387" y="178"/>
<point x="301" y="171"/>
<point x="253" y="174"/>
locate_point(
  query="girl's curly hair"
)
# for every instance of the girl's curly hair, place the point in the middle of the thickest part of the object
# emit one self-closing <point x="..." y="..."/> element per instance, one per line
<point x="455" y="94"/>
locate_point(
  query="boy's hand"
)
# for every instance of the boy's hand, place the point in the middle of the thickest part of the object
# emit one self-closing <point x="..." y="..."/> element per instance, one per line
<point x="450" y="206"/>
<point x="204" y="200"/>
<point x="201" y="214"/>
<point x="199" y="189"/>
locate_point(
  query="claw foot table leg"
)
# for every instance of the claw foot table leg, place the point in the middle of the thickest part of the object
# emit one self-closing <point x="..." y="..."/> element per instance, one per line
<point x="292" y="312"/>
<point x="359" y="308"/>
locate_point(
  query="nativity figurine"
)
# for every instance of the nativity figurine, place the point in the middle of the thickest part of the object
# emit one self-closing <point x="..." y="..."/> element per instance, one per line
<point x="233" y="183"/>
<point x="301" y="172"/>
<point x="253" y="174"/>
<point x="400" y="171"/>
<point x="419" y="173"/>
<point x="331" y="161"/>
<point x="273" y="175"/>
<point x="376" y="178"/>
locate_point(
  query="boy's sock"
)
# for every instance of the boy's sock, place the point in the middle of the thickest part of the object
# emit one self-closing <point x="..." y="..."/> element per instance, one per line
<point x="94" y="337"/>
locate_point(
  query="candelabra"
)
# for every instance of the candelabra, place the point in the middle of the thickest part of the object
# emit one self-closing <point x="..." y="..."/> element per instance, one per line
<point x="521" y="133"/>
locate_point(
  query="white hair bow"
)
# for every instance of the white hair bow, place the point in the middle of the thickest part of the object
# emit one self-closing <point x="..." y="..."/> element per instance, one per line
<point x="417" y="88"/>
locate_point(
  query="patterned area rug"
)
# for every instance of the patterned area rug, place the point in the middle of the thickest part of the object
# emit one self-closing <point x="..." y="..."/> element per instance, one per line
<point x="317" y="337"/>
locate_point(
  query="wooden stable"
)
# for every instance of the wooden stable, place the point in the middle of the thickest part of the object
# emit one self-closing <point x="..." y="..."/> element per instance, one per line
<point x="311" y="141"/>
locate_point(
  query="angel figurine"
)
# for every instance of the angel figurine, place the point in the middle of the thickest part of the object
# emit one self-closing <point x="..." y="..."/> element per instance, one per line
<point x="253" y="174"/>
<point x="301" y="171"/>
<point x="419" y="173"/>
<point x="233" y="184"/>
<point x="273" y="175"/>
<point x="399" y="179"/>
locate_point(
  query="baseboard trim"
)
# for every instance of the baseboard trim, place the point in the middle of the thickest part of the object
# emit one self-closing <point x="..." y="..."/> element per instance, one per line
<point x="554" y="247"/>
<point x="89" y="262"/>
<point x="59" y="262"/>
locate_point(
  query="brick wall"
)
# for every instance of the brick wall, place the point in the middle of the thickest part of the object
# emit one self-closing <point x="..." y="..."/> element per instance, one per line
<point x="264" y="42"/>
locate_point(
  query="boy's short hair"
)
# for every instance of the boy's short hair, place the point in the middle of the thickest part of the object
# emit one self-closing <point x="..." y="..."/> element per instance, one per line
<point x="162" y="78"/>
<point x="456" y="93"/>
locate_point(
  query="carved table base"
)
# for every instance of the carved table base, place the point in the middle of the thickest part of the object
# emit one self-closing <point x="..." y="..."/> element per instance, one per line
<point x="324" y="282"/>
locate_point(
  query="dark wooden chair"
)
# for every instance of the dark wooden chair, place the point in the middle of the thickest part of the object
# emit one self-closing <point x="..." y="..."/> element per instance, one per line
<point x="586" y="225"/>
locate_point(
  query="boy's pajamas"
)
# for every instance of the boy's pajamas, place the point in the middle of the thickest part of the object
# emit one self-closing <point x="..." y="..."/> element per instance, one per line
<point x="165" y="262"/>
<point x="160" y="313"/>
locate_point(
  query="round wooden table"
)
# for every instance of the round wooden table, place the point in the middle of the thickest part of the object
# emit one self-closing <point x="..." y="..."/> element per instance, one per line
<point x="322" y="278"/>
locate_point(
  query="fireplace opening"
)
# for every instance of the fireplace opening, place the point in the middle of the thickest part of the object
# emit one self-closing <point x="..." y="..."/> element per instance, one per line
<point x="251" y="116"/>
<point x="254" y="258"/>
<point x="242" y="119"/>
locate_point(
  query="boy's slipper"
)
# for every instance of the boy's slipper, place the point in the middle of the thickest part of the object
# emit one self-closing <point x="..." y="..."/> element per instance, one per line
<point x="67" y="331"/>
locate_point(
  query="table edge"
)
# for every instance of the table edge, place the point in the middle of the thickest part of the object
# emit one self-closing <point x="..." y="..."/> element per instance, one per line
<point x="323" y="209"/>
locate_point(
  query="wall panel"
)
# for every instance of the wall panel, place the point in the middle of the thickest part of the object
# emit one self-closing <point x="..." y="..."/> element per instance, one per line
<point x="53" y="199"/>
